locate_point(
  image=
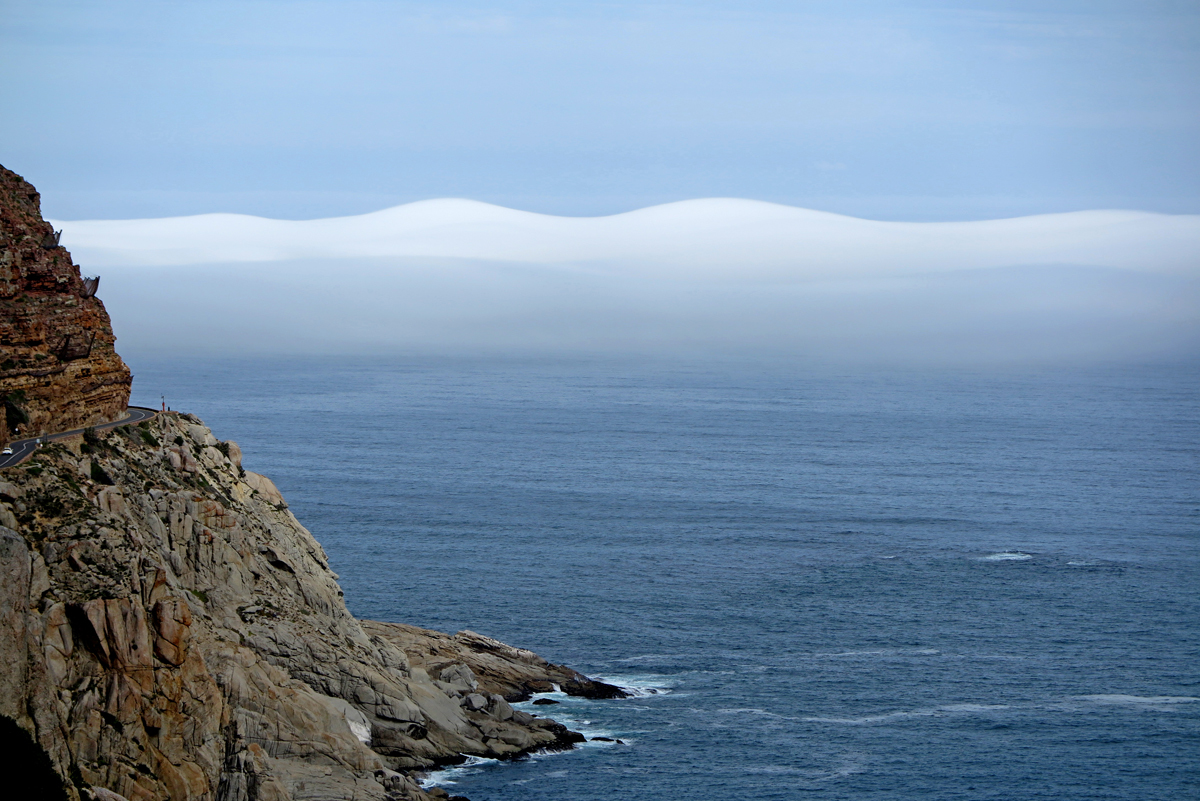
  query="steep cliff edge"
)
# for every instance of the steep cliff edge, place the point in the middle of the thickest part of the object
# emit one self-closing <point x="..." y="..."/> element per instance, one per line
<point x="177" y="634"/>
<point x="58" y="368"/>
<point x="168" y="628"/>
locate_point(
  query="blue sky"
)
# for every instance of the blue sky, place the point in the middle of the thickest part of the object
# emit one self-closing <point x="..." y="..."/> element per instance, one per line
<point x="889" y="110"/>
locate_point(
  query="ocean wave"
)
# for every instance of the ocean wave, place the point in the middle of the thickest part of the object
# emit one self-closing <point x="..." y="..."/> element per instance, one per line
<point x="572" y="712"/>
<point x="473" y="764"/>
<point x="640" y="685"/>
<point x="1155" y="703"/>
<point x="1137" y="700"/>
<point x="654" y="658"/>
<point x="598" y="735"/>
<point x="752" y="711"/>
<point x="937" y="711"/>
<point x="875" y="652"/>
<point x="1007" y="556"/>
<point x="846" y="768"/>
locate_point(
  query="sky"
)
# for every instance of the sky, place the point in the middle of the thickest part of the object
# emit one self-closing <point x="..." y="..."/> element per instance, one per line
<point x="885" y="110"/>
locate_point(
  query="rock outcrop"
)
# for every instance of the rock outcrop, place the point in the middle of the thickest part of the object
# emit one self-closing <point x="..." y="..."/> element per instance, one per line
<point x="58" y="368"/>
<point x="515" y="674"/>
<point x="173" y="632"/>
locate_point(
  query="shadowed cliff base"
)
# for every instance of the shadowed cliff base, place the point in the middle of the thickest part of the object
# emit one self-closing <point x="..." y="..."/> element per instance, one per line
<point x="27" y="767"/>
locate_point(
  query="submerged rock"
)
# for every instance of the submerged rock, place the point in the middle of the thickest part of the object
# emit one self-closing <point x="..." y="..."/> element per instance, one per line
<point x="590" y="688"/>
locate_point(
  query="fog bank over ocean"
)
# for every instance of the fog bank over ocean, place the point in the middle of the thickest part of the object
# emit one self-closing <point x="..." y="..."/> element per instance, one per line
<point x="720" y="276"/>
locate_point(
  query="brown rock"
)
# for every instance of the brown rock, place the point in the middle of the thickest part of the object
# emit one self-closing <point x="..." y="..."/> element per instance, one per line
<point x="58" y="368"/>
<point x="172" y="620"/>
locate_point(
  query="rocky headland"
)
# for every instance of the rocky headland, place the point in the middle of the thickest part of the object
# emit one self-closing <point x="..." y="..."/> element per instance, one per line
<point x="58" y="368"/>
<point x="169" y="628"/>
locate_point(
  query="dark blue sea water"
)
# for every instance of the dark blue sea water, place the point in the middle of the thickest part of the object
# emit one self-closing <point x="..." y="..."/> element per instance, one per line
<point x="842" y="584"/>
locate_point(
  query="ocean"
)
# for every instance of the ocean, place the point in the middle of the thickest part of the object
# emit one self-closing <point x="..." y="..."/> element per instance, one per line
<point x="839" y="583"/>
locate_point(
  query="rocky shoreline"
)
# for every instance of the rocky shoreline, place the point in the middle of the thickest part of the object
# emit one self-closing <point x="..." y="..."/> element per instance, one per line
<point x="181" y="636"/>
<point x="171" y="631"/>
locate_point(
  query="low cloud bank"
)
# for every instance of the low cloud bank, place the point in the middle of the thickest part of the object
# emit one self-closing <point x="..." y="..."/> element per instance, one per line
<point x="706" y="276"/>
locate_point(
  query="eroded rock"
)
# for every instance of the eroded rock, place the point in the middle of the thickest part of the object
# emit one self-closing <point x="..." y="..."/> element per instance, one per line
<point x="59" y="370"/>
<point x="169" y="629"/>
<point x="189" y="641"/>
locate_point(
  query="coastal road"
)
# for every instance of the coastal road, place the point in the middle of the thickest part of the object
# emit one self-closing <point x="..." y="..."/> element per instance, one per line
<point x="24" y="448"/>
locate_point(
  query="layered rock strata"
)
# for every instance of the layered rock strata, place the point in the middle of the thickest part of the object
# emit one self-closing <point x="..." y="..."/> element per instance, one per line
<point x="175" y="633"/>
<point x="58" y="368"/>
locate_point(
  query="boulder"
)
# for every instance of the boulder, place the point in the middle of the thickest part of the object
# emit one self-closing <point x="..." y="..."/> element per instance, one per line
<point x="235" y="453"/>
<point x="265" y="488"/>
<point x="590" y="688"/>
<point x="459" y="677"/>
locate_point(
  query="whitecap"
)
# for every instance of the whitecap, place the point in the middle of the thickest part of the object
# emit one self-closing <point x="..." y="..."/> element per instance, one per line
<point x="968" y="708"/>
<point x="1006" y="556"/>
<point x="448" y="775"/>
<point x="591" y="731"/>
<point x="640" y="685"/>
<point x="567" y="713"/>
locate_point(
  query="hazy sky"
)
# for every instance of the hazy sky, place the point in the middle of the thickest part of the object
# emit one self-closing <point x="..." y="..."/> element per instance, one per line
<point x="892" y="110"/>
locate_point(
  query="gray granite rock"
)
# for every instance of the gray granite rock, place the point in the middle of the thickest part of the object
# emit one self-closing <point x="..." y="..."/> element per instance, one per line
<point x="178" y="634"/>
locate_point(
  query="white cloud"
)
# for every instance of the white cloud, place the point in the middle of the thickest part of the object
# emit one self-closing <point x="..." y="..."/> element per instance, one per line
<point x="715" y="275"/>
<point x="710" y="238"/>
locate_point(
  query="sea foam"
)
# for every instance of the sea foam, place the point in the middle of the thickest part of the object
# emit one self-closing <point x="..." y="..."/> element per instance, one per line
<point x="1006" y="556"/>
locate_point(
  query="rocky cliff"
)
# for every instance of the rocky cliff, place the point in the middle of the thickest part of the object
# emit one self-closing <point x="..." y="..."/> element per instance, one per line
<point x="58" y="368"/>
<point x="175" y="633"/>
<point x="168" y="628"/>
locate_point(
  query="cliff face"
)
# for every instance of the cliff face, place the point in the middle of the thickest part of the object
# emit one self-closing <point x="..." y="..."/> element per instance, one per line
<point x="177" y="634"/>
<point x="58" y="369"/>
